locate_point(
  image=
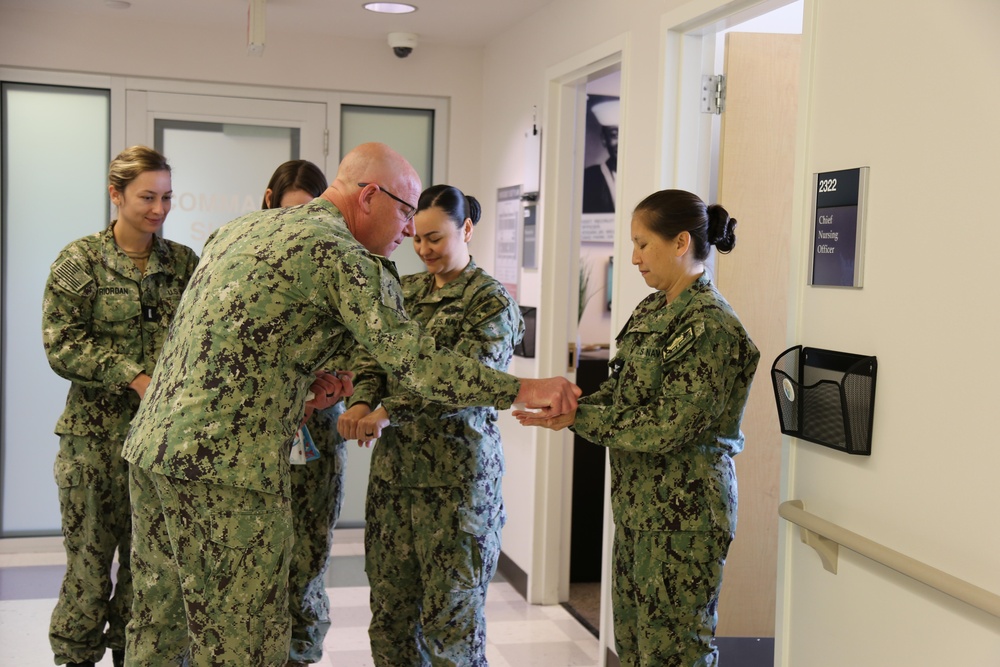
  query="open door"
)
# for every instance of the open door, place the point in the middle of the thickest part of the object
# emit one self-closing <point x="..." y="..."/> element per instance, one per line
<point x="756" y="175"/>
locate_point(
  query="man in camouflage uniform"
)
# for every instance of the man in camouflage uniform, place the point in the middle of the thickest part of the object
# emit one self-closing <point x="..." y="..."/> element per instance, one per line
<point x="278" y="294"/>
<point x="103" y="324"/>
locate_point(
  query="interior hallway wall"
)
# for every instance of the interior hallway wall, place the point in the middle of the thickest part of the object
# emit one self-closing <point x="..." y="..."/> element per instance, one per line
<point x="514" y="83"/>
<point x="188" y="51"/>
<point x="888" y="90"/>
<point x="887" y="84"/>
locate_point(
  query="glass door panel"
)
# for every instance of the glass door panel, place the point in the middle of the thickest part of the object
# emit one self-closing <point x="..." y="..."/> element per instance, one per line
<point x="55" y="163"/>
<point x="220" y="172"/>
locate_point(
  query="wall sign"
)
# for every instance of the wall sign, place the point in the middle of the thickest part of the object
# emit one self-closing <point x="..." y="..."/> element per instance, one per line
<point x="839" y="204"/>
<point x="506" y="267"/>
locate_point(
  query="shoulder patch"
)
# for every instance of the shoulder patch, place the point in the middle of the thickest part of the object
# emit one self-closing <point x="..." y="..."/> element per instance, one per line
<point x="71" y="275"/>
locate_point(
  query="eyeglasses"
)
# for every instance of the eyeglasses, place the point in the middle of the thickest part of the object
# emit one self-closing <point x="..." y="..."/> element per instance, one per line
<point x="411" y="209"/>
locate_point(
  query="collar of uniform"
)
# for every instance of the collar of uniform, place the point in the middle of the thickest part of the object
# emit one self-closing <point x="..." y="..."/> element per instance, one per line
<point x="341" y="226"/>
<point x="116" y="258"/>
<point x="452" y="290"/>
<point x="653" y="315"/>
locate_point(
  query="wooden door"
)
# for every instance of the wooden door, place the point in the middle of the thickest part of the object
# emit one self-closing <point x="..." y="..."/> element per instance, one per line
<point x="756" y="164"/>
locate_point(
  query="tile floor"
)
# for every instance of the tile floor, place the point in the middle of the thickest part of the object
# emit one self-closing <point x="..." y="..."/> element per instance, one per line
<point x="518" y="634"/>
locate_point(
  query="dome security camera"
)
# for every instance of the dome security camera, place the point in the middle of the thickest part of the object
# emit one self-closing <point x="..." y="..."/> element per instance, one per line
<point x="402" y="43"/>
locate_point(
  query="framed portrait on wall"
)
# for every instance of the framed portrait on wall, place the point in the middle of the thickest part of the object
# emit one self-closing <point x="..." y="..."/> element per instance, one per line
<point x="600" y="170"/>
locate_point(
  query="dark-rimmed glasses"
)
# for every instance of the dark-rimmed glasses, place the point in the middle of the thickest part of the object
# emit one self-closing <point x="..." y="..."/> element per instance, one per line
<point x="411" y="210"/>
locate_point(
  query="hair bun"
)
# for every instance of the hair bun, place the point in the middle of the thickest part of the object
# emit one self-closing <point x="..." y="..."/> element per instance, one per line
<point x="475" y="209"/>
<point x="721" y="229"/>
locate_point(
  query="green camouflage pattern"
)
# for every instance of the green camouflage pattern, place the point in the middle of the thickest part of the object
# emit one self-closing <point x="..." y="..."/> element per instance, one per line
<point x="665" y="596"/>
<point x="434" y="510"/>
<point x="430" y="552"/>
<point x="317" y="498"/>
<point x="277" y="295"/>
<point x="94" y="329"/>
<point x="670" y="412"/>
<point x="670" y="415"/>
<point x="103" y="323"/>
<point x="210" y="574"/>
<point x="431" y="443"/>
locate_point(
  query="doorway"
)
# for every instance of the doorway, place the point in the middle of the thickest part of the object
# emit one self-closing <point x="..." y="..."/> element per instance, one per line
<point x="743" y="157"/>
<point x="599" y="154"/>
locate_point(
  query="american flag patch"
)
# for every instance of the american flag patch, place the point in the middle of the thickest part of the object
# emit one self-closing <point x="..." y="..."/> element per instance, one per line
<point x="69" y="274"/>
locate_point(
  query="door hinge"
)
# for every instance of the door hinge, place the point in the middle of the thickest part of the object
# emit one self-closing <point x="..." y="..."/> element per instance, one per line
<point x="326" y="142"/>
<point x="713" y="93"/>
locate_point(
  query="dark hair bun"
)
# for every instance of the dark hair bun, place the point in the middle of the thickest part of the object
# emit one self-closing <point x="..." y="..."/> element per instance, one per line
<point x="721" y="229"/>
<point x="475" y="210"/>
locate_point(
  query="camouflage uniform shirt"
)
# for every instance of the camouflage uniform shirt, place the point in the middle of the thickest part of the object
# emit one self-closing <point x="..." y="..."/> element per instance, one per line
<point x="671" y="410"/>
<point x="440" y="444"/>
<point x="277" y="295"/>
<point x="104" y="322"/>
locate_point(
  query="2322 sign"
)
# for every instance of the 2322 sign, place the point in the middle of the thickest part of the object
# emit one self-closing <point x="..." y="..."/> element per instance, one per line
<point x="828" y="185"/>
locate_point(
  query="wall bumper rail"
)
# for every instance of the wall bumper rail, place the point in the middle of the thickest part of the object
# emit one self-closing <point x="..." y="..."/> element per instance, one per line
<point x="826" y="538"/>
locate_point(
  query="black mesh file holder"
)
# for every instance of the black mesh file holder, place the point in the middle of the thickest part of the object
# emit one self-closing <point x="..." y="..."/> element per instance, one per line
<point x="826" y="397"/>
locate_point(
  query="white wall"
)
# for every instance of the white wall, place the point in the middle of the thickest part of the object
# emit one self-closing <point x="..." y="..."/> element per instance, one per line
<point x="186" y="51"/>
<point x="514" y="81"/>
<point x="887" y="91"/>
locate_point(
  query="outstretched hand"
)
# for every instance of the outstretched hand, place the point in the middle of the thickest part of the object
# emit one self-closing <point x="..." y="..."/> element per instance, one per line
<point x="532" y="418"/>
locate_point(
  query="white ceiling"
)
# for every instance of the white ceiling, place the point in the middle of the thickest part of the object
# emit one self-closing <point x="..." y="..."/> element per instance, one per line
<point x="454" y="22"/>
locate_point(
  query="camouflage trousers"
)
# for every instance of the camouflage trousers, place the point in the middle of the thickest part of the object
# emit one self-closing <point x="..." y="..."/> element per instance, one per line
<point x="317" y="497"/>
<point x="93" y="500"/>
<point x="665" y="596"/>
<point x="210" y="570"/>
<point x="430" y="553"/>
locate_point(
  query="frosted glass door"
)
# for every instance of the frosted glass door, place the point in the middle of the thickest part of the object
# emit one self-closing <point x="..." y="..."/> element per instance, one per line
<point x="222" y="151"/>
<point x="220" y="172"/>
<point x="55" y="164"/>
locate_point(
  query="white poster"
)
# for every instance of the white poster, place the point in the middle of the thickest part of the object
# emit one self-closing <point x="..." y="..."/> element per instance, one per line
<point x="507" y="268"/>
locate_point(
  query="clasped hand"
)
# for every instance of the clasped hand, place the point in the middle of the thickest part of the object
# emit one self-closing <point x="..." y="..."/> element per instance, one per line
<point x="328" y="388"/>
<point x="363" y="424"/>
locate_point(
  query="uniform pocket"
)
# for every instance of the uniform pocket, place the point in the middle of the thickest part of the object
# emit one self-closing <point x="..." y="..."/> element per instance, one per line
<point x="67" y="473"/>
<point x="115" y="315"/>
<point x="246" y="547"/>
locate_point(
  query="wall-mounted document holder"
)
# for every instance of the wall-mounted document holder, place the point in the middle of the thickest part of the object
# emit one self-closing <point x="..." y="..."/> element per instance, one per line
<point x="826" y="397"/>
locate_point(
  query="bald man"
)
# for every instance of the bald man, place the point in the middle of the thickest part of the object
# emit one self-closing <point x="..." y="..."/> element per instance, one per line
<point x="278" y="294"/>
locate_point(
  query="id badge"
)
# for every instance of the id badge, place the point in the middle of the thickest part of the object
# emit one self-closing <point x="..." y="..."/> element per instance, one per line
<point x="298" y="455"/>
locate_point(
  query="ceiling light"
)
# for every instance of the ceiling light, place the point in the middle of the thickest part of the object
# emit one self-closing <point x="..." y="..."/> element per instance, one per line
<point x="117" y="4"/>
<point x="389" y="7"/>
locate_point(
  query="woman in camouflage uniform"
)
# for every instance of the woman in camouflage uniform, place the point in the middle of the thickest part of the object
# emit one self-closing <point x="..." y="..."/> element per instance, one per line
<point x="107" y="305"/>
<point x="434" y="510"/>
<point x="670" y="415"/>
<point x="317" y="483"/>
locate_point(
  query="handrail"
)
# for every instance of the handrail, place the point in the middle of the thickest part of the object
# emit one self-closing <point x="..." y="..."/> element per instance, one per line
<point x="825" y="538"/>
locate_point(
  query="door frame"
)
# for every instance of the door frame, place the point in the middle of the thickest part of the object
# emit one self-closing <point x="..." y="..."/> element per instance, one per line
<point x="561" y="201"/>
